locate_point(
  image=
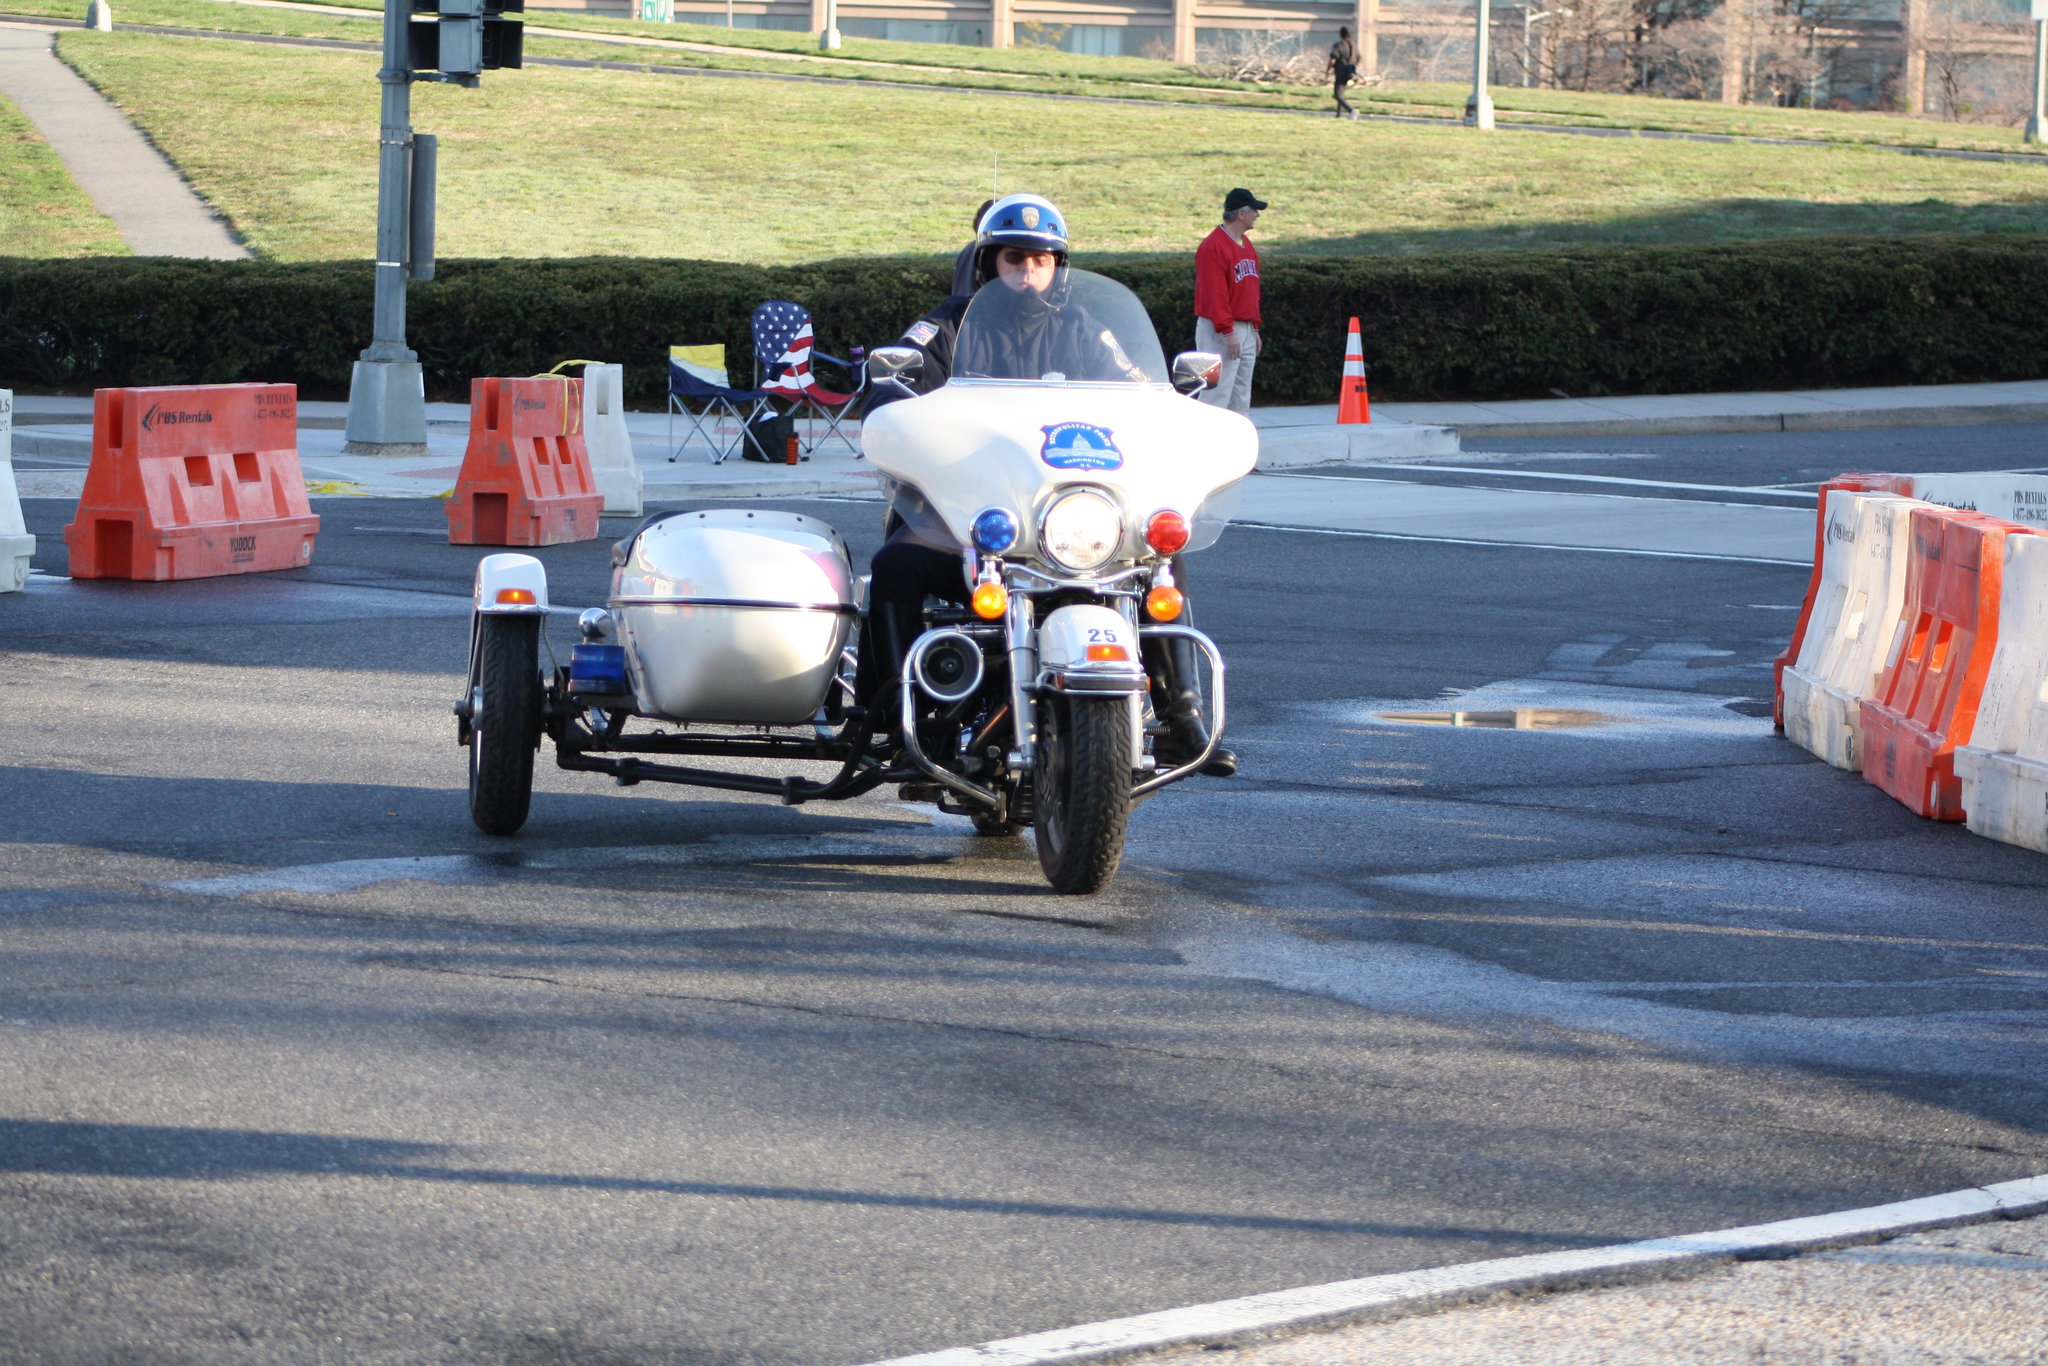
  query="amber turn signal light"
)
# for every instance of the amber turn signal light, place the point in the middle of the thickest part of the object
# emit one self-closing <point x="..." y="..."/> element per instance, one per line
<point x="515" y="597"/>
<point x="991" y="600"/>
<point x="1108" y="654"/>
<point x="1164" y="603"/>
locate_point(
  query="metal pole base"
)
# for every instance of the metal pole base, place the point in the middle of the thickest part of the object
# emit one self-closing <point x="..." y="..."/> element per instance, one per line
<point x="828" y="41"/>
<point x="387" y="409"/>
<point x="2033" y="133"/>
<point x="1479" y="110"/>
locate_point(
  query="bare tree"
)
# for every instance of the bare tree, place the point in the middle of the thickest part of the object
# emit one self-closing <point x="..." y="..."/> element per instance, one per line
<point x="1035" y="34"/>
<point x="1267" y="56"/>
<point x="1690" y="57"/>
<point x="1968" y="77"/>
<point x="1788" y="51"/>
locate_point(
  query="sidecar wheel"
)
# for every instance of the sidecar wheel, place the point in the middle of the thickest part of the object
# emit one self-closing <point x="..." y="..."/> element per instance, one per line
<point x="1081" y="790"/>
<point x="505" y="730"/>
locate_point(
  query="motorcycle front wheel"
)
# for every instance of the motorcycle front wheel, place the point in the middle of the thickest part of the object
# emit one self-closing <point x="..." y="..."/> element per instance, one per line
<point x="1081" y="790"/>
<point x="504" y="725"/>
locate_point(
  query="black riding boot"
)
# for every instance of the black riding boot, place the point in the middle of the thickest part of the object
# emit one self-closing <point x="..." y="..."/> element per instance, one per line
<point x="884" y="640"/>
<point x="1178" y="700"/>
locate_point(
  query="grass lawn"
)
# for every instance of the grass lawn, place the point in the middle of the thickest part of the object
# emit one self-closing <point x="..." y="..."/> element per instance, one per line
<point x="42" y="212"/>
<point x="554" y="162"/>
<point x="1026" y="69"/>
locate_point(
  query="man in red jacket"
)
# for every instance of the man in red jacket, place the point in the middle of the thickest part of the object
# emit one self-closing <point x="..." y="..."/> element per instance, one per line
<point x="1227" y="300"/>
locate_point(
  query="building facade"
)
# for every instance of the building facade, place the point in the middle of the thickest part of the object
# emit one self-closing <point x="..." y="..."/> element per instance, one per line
<point x="1895" y="54"/>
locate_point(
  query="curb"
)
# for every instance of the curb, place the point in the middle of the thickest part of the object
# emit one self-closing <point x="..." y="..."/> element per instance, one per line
<point x="1409" y="1293"/>
<point x="811" y="486"/>
<point x="1384" y="442"/>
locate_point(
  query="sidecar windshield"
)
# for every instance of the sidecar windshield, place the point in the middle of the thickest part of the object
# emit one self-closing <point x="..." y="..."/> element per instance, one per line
<point x="1082" y="329"/>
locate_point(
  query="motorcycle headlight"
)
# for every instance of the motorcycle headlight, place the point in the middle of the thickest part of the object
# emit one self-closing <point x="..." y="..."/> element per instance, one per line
<point x="1081" y="531"/>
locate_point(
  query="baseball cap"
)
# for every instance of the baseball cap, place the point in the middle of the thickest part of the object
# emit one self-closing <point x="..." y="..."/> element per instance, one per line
<point x="1242" y="199"/>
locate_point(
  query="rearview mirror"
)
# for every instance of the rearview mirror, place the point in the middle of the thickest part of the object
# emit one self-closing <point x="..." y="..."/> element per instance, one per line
<point x="1194" y="371"/>
<point x="894" y="364"/>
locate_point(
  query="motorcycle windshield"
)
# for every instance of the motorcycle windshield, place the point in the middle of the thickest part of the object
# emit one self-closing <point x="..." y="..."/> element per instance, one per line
<point x="1081" y="328"/>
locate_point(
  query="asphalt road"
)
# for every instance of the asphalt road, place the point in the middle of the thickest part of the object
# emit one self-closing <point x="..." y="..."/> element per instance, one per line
<point x="297" y="1066"/>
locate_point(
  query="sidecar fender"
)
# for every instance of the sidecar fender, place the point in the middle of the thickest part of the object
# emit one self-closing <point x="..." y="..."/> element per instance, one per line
<point x="511" y="585"/>
<point x="1084" y="648"/>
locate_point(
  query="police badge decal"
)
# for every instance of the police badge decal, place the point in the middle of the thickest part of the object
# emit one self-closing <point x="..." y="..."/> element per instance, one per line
<point x="1080" y="446"/>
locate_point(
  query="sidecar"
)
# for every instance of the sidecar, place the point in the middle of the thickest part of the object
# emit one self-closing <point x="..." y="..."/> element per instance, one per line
<point x="723" y="619"/>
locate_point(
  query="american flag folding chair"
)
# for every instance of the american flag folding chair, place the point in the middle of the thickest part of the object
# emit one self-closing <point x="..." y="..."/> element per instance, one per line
<point x="696" y="374"/>
<point x="783" y="352"/>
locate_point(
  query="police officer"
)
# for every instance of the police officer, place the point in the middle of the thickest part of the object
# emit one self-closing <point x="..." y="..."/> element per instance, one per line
<point x="1025" y="329"/>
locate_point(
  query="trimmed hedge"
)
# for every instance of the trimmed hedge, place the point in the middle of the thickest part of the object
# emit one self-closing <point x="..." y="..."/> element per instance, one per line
<point x="1807" y="312"/>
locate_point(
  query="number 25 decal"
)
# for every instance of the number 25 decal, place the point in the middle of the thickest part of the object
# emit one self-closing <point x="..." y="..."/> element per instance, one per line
<point x="1102" y="635"/>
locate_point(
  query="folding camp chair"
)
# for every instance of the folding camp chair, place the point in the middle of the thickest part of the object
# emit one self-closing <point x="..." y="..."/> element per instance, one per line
<point x="696" y="374"/>
<point x="783" y="352"/>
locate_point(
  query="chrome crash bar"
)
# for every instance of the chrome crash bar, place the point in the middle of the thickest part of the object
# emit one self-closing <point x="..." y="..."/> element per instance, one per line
<point x="1194" y="765"/>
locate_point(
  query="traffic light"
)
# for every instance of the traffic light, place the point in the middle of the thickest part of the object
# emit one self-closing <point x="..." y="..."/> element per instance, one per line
<point x="459" y="38"/>
<point x="504" y="39"/>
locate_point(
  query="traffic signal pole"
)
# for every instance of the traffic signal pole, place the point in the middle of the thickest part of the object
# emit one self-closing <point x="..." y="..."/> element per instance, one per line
<point x="387" y="407"/>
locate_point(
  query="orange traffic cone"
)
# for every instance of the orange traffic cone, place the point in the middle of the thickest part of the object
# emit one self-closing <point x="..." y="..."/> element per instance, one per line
<point x="1352" y="403"/>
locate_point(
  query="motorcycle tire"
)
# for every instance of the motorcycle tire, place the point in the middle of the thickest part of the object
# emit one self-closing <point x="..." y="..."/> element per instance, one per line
<point x="1081" y="790"/>
<point x="504" y="731"/>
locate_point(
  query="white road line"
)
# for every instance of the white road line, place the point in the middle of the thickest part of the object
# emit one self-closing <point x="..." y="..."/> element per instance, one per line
<point x="1536" y="517"/>
<point x="1515" y="545"/>
<point x="1535" y="493"/>
<point x="1490" y="471"/>
<point x="1409" y="1293"/>
<point x="350" y="875"/>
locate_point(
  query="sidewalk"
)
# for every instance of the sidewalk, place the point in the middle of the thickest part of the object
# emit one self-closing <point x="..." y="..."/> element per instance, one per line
<point x="120" y="170"/>
<point x="56" y="431"/>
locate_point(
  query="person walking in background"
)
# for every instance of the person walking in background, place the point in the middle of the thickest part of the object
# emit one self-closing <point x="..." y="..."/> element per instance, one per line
<point x="1343" y="67"/>
<point x="1227" y="300"/>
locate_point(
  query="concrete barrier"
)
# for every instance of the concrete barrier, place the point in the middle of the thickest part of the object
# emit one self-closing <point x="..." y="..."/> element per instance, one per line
<point x="1857" y="604"/>
<point x="610" y="445"/>
<point x="1853" y="483"/>
<point x="2004" y="767"/>
<point x="2021" y="498"/>
<point x="16" y="545"/>
<point x="1939" y="659"/>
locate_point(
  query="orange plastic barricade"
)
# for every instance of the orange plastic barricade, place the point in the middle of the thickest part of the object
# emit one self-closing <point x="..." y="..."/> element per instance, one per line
<point x="1933" y="679"/>
<point x="526" y="479"/>
<point x="191" y="482"/>
<point x="1851" y="483"/>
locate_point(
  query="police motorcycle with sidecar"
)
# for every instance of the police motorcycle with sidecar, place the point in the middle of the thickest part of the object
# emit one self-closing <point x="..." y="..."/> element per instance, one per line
<point x="728" y="633"/>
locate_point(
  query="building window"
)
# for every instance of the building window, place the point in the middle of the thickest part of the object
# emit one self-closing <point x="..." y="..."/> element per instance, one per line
<point x="1097" y="40"/>
<point x="787" y="23"/>
<point x="917" y="31"/>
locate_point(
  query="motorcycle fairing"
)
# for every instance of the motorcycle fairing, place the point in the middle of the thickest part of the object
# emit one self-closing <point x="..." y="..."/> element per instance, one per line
<point x="973" y="443"/>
